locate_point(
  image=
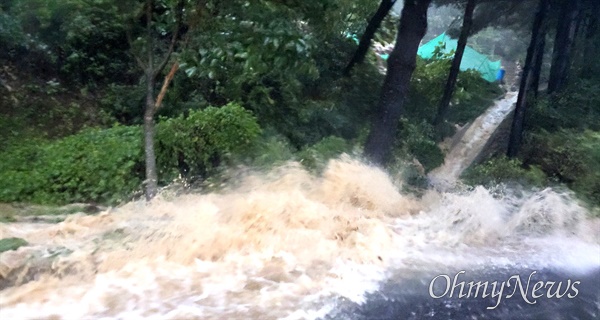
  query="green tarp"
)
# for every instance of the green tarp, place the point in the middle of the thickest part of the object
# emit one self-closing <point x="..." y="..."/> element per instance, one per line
<point x="471" y="58"/>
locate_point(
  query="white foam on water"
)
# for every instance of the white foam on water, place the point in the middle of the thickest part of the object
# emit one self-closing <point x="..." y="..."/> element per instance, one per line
<point x="461" y="155"/>
<point x="281" y="246"/>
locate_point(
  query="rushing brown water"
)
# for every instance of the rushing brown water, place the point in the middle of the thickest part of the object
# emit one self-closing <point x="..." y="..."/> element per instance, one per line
<point x="280" y="246"/>
<point x="467" y="148"/>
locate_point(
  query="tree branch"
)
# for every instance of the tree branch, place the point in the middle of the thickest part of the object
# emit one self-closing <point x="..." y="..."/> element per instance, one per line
<point x="178" y="18"/>
<point x="369" y="34"/>
<point x="163" y="90"/>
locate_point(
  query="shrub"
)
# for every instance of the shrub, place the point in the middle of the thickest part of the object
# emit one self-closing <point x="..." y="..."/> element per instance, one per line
<point x="426" y="88"/>
<point x="124" y="103"/>
<point x="94" y="165"/>
<point x="472" y="94"/>
<point x="503" y="170"/>
<point x="316" y="156"/>
<point x="107" y="165"/>
<point x="577" y="107"/>
<point x="416" y="139"/>
<point x="267" y="151"/>
<point x="195" y="144"/>
<point x="568" y="156"/>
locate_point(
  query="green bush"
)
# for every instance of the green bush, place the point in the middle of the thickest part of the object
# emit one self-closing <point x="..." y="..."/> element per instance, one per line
<point x="267" y="151"/>
<point x="569" y="157"/>
<point x="124" y="103"/>
<point x="193" y="145"/>
<point x="472" y="94"/>
<point x="426" y="89"/>
<point x="503" y="170"/>
<point x="19" y="171"/>
<point x="577" y="107"/>
<point x="107" y="165"/>
<point x="94" y="165"/>
<point x="416" y="139"/>
<point x="317" y="155"/>
<point x="564" y="138"/>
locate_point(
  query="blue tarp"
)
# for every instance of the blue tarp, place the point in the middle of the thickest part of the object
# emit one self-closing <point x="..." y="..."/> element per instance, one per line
<point x="471" y="59"/>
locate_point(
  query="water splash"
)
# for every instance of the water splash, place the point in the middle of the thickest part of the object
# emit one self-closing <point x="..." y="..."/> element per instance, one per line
<point x="281" y="245"/>
<point x="470" y="145"/>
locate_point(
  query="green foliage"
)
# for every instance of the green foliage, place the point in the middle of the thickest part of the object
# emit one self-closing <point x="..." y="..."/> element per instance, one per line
<point x="92" y="166"/>
<point x="577" y="107"/>
<point x="426" y="88"/>
<point x="96" y="24"/>
<point x="19" y="175"/>
<point x="503" y="170"/>
<point x="37" y="109"/>
<point x="281" y="60"/>
<point x="570" y="157"/>
<point x="317" y="155"/>
<point x="563" y="138"/>
<point x="94" y="163"/>
<point x="15" y="212"/>
<point x="124" y="103"/>
<point x="12" y="38"/>
<point x="8" y="244"/>
<point x="409" y="174"/>
<point x="416" y="139"/>
<point x="472" y="95"/>
<point x="63" y="37"/>
<point x="267" y="151"/>
<point x="107" y="165"/>
<point x="256" y="55"/>
<point x="193" y="145"/>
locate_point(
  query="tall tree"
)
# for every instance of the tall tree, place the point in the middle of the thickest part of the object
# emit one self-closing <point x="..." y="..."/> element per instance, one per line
<point x="516" y="133"/>
<point x="538" y="60"/>
<point x="455" y="67"/>
<point x="591" y="39"/>
<point x="401" y="64"/>
<point x="563" y="44"/>
<point x="145" y="53"/>
<point x="365" y="40"/>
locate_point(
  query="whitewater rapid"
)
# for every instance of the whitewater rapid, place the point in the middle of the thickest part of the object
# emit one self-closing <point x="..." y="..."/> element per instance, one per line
<point x="468" y="146"/>
<point x="284" y="245"/>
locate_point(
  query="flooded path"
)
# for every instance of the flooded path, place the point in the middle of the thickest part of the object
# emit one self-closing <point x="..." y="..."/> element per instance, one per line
<point x="287" y="245"/>
<point x="464" y="151"/>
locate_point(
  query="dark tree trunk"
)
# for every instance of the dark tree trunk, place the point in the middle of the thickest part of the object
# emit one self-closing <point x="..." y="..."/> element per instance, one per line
<point x="516" y="132"/>
<point x="151" y="173"/>
<point x="151" y="72"/>
<point x="538" y="58"/>
<point x="150" y="155"/>
<point x="455" y="67"/>
<point x="401" y="64"/>
<point x="563" y="45"/>
<point x="538" y="61"/>
<point x="365" y="40"/>
<point x="592" y="41"/>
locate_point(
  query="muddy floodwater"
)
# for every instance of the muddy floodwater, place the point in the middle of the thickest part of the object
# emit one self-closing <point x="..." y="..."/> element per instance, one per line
<point x="345" y="244"/>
